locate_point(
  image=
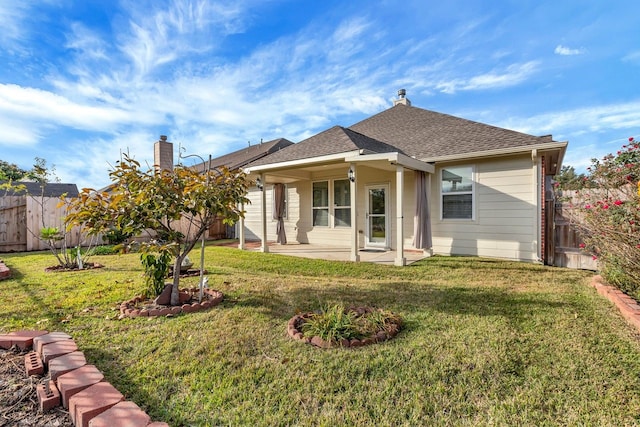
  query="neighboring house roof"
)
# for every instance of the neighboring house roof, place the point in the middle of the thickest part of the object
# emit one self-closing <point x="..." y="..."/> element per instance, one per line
<point x="244" y="156"/>
<point x="50" y="189"/>
<point x="429" y="135"/>
<point x="332" y="141"/>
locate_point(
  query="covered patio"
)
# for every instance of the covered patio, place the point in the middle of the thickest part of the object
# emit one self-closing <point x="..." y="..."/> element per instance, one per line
<point x="338" y="253"/>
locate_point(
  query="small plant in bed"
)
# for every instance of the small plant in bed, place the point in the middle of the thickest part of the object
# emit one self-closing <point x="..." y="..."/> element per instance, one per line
<point x="347" y="327"/>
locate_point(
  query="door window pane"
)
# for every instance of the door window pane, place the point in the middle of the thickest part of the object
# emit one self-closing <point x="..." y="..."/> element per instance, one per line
<point x="377" y="232"/>
<point x="376" y="201"/>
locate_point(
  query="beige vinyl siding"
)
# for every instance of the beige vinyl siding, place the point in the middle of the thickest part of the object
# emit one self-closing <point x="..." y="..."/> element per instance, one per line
<point x="505" y="224"/>
<point x="252" y="222"/>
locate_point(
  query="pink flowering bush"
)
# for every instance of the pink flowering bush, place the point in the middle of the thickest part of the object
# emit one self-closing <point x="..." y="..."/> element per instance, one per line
<point x="606" y="213"/>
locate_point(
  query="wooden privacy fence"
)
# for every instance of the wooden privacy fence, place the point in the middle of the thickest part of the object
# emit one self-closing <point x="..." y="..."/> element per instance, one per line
<point x="22" y="217"/>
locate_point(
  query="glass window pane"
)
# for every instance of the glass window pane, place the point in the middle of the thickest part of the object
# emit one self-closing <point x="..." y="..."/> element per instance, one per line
<point x="377" y="230"/>
<point x="321" y="194"/>
<point x="457" y="179"/>
<point x="342" y="217"/>
<point x="321" y="217"/>
<point x="376" y="201"/>
<point x="457" y="206"/>
<point x="341" y="192"/>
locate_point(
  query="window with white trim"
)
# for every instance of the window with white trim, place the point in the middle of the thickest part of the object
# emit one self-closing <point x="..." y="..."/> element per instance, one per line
<point x="332" y="203"/>
<point x="456" y="189"/>
<point x="321" y="204"/>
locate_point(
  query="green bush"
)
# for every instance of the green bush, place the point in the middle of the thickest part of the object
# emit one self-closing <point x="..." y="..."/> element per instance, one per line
<point x="607" y="216"/>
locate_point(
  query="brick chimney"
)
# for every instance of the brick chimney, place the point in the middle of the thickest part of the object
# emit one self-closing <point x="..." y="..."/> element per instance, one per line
<point x="163" y="154"/>
<point x="402" y="98"/>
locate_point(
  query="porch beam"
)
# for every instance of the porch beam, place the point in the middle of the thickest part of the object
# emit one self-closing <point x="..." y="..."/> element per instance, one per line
<point x="400" y="259"/>
<point x="355" y="255"/>
<point x="263" y="216"/>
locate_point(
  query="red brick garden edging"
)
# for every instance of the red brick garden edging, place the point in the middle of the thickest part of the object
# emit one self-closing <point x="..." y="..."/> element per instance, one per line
<point x="5" y="273"/>
<point x="212" y="298"/>
<point x="629" y="308"/>
<point x="294" y="325"/>
<point x="73" y="383"/>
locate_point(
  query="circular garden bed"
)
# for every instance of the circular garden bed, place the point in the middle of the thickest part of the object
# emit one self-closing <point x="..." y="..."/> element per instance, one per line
<point x="144" y="307"/>
<point x="340" y="327"/>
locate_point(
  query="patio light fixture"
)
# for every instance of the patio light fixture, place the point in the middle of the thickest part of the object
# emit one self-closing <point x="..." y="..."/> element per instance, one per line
<point x="351" y="174"/>
<point x="259" y="184"/>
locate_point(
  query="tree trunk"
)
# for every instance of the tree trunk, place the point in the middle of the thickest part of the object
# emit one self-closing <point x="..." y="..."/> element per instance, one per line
<point x="175" y="290"/>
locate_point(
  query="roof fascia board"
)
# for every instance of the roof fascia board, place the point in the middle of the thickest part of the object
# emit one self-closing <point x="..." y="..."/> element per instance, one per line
<point x="500" y="152"/>
<point x="301" y="162"/>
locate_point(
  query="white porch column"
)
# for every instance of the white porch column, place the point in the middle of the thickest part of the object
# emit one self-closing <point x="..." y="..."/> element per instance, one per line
<point x="355" y="256"/>
<point x="241" y="244"/>
<point x="400" y="259"/>
<point x="263" y="211"/>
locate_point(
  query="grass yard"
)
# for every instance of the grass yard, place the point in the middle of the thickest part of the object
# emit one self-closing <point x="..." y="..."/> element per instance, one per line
<point x="485" y="342"/>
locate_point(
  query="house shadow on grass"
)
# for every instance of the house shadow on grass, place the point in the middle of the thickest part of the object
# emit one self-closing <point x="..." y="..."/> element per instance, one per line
<point x="405" y="298"/>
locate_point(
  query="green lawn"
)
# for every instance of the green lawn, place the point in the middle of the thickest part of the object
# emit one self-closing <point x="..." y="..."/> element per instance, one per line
<point x="485" y="342"/>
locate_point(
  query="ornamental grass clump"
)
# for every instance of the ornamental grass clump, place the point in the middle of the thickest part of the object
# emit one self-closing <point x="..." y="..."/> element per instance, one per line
<point x="335" y="323"/>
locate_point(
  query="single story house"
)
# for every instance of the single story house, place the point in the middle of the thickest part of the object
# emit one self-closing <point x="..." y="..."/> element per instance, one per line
<point x="408" y="179"/>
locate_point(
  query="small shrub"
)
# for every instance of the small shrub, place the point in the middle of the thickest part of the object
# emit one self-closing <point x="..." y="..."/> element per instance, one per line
<point x="156" y="267"/>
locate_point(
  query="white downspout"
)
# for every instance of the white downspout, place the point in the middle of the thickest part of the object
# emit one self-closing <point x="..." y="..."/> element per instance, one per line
<point x="400" y="259"/>
<point x="536" y="203"/>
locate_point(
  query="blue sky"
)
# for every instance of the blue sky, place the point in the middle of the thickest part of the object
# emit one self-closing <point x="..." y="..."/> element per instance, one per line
<point x="84" y="80"/>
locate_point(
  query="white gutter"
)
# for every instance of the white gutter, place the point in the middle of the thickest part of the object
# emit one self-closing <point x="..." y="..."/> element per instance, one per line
<point x="500" y="152"/>
<point x="301" y="162"/>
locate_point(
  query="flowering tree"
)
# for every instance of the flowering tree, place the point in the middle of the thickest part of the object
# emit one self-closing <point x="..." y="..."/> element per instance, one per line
<point x="607" y="215"/>
<point x="149" y="200"/>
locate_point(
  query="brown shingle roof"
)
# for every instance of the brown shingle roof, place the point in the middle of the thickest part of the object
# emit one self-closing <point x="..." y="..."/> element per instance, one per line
<point x="331" y="141"/>
<point x="49" y="189"/>
<point x="244" y="156"/>
<point x="427" y="134"/>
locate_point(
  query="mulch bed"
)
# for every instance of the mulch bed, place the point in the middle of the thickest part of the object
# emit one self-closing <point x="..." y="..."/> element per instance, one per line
<point x="18" y="400"/>
<point x="86" y="266"/>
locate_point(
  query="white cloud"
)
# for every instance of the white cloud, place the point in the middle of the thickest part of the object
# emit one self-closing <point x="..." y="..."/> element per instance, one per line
<point x="633" y="57"/>
<point x="591" y="119"/>
<point x="40" y="106"/>
<point x="513" y="75"/>
<point x="566" y="51"/>
<point x="12" y="15"/>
